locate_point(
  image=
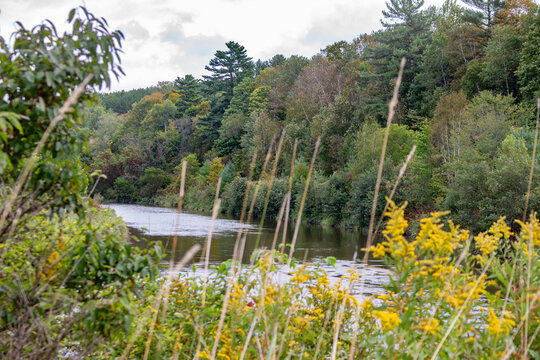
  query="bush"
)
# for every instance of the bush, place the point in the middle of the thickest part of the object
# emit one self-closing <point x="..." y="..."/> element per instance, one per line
<point x="72" y="280"/>
<point x="336" y="196"/>
<point x="233" y="196"/>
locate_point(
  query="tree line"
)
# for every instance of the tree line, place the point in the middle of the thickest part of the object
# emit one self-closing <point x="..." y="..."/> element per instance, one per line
<point x="467" y="101"/>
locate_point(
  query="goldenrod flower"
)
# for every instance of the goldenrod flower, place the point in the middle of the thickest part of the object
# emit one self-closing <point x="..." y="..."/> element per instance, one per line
<point x="430" y="325"/>
<point x="389" y="319"/>
<point x="530" y="231"/>
<point x="204" y="355"/>
<point x="502" y="325"/>
<point x="486" y="243"/>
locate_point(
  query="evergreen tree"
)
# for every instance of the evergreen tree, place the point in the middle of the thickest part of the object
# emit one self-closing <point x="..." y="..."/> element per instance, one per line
<point x="190" y="93"/>
<point x="486" y="8"/>
<point x="230" y="67"/>
<point x="407" y="33"/>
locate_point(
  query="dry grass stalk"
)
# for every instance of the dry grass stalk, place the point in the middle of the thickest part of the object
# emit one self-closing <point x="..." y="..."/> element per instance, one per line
<point x="528" y="282"/>
<point x="391" y="112"/>
<point x="303" y="202"/>
<point x="396" y="183"/>
<point x="206" y="247"/>
<point x="215" y="212"/>
<point x="461" y="258"/>
<point x="533" y="161"/>
<point x="355" y="333"/>
<point x="280" y="218"/>
<point x="221" y="320"/>
<point x="339" y="316"/>
<point x="254" y="198"/>
<point x="248" y="337"/>
<point x="176" y="229"/>
<point x="244" y="206"/>
<point x="272" y="177"/>
<point x="518" y="328"/>
<point x="23" y="176"/>
<point x="240" y="255"/>
<point x="288" y="210"/>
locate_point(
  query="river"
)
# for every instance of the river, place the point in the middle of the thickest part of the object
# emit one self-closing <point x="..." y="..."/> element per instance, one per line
<point x="314" y="243"/>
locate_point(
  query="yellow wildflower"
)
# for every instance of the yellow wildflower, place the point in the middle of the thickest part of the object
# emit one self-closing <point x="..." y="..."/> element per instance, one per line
<point x="500" y="229"/>
<point x="486" y="243"/>
<point x="301" y="275"/>
<point x="432" y="237"/>
<point x="389" y="319"/>
<point x="204" y="355"/>
<point x="430" y="325"/>
<point x="395" y="243"/>
<point x="457" y="297"/>
<point x="530" y="231"/>
<point x="502" y="325"/>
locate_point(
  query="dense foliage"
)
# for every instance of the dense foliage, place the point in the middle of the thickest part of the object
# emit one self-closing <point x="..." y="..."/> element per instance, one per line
<point x="69" y="279"/>
<point x="467" y="103"/>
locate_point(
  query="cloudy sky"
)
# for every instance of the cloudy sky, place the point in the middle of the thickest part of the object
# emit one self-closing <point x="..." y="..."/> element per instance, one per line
<point x="170" y="38"/>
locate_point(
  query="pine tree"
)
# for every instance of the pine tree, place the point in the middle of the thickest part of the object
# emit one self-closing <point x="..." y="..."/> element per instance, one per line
<point x="230" y="66"/>
<point x="407" y="34"/>
<point x="190" y="93"/>
<point x="488" y="9"/>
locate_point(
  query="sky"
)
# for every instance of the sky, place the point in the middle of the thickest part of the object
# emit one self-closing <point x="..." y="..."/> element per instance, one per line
<point x="166" y="39"/>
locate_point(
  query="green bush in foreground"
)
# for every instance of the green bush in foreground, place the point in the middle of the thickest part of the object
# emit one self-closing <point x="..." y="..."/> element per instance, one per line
<point x="70" y="285"/>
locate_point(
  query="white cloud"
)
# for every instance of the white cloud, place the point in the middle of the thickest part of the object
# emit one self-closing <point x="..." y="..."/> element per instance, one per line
<point x="172" y="38"/>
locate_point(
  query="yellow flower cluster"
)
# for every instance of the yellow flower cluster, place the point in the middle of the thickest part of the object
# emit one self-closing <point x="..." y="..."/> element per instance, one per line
<point x="271" y="295"/>
<point x="301" y="275"/>
<point x="433" y="238"/>
<point x="458" y="295"/>
<point x="395" y="243"/>
<point x="389" y="319"/>
<point x="488" y="242"/>
<point x="431" y="326"/>
<point x="530" y="231"/>
<point x="367" y="307"/>
<point x="502" y="325"/>
<point x="435" y="268"/>
<point x="237" y="294"/>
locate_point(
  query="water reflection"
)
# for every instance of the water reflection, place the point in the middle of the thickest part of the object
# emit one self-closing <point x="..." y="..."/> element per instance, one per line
<point x="159" y="224"/>
<point x="313" y="244"/>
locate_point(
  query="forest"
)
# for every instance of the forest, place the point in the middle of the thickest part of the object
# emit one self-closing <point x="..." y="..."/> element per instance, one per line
<point x="467" y="101"/>
<point x="459" y="246"/>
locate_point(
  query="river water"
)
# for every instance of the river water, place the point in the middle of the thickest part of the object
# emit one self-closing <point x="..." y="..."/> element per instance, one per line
<point x="314" y="243"/>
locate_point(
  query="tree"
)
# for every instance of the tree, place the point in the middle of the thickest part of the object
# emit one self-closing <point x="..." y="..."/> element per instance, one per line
<point x="487" y="8"/>
<point x="514" y="12"/>
<point x="529" y="62"/>
<point x="406" y="34"/>
<point x="230" y="66"/>
<point x="501" y="62"/>
<point x="447" y="131"/>
<point x="38" y="73"/>
<point x="59" y="272"/>
<point x="190" y="93"/>
<point x="216" y="167"/>
<point x="401" y="12"/>
<point x="161" y="115"/>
